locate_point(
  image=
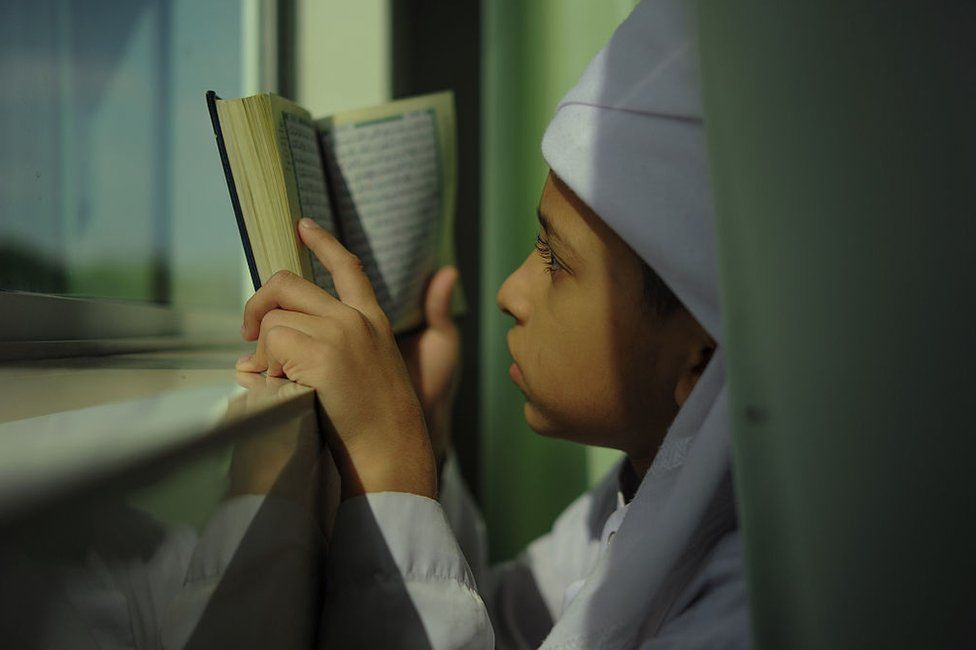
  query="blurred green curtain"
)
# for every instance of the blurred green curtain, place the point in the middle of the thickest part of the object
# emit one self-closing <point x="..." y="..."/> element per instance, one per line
<point x="534" y="51"/>
<point x="843" y="150"/>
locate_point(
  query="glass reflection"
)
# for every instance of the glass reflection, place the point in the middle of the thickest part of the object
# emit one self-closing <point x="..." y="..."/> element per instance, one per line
<point x="110" y="184"/>
<point x="220" y="550"/>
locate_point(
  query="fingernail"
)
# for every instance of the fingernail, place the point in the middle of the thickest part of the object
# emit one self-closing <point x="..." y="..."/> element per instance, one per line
<point x="308" y="223"/>
<point x="244" y="359"/>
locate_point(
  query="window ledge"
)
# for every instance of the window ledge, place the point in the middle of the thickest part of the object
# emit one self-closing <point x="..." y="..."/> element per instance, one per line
<point x="50" y="326"/>
<point x="67" y="425"/>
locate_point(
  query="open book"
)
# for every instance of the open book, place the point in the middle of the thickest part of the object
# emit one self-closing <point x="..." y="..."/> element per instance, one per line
<point x="381" y="179"/>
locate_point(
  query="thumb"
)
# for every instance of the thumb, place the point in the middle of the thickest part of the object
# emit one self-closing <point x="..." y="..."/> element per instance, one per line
<point x="437" y="304"/>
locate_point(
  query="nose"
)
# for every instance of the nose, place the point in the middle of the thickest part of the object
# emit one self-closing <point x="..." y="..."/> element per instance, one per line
<point x="512" y="296"/>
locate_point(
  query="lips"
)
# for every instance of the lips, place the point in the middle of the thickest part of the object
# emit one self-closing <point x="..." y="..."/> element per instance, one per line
<point x="514" y="371"/>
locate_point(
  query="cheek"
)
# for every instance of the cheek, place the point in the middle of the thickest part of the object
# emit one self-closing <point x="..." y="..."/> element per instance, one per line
<point x="579" y="372"/>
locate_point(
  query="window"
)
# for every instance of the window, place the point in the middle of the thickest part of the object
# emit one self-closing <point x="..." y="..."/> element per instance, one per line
<point x="110" y="183"/>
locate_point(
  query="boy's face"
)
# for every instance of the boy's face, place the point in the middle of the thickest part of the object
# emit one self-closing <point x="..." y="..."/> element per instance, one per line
<point x="595" y="363"/>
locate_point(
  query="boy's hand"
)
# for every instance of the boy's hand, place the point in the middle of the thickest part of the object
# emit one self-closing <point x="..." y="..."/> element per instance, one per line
<point x="345" y="350"/>
<point x="432" y="357"/>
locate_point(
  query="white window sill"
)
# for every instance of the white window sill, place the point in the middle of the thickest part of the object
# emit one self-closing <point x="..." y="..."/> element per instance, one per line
<point x="67" y="425"/>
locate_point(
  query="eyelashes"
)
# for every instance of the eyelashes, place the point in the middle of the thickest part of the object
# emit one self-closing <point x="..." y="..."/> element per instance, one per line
<point x="545" y="251"/>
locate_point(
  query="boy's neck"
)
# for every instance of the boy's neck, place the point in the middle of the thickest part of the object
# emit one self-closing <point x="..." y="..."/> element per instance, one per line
<point x="631" y="475"/>
<point x="640" y="466"/>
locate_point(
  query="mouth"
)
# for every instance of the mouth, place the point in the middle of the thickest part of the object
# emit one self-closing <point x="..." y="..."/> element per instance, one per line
<point x="514" y="371"/>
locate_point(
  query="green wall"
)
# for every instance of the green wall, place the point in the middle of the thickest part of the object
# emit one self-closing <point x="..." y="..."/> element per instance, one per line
<point x="534" y="51"/>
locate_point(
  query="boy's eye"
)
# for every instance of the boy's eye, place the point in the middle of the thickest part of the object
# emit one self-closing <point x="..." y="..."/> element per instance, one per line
<point x="552" y="262"/>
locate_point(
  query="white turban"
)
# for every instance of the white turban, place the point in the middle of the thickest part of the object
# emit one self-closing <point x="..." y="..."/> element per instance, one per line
<point x="629" y="141"/>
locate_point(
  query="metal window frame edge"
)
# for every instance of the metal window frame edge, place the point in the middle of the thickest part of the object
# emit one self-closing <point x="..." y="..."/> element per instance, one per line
<point x="40" y="326"/>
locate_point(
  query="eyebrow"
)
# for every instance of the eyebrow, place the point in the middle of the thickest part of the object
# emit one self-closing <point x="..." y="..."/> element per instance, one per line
<point x="552" y="232"/>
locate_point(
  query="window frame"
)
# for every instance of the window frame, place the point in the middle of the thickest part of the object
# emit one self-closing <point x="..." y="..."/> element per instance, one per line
<point x="41" y="325"/>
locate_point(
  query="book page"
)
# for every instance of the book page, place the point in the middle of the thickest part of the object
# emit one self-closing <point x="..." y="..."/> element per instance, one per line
<point x="265" y="192"/>
<point x="391" y="172"/>
<point x="302" y="161"/>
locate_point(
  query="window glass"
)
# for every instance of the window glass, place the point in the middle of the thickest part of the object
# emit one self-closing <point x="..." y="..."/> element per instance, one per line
<point x="110" y="184"/>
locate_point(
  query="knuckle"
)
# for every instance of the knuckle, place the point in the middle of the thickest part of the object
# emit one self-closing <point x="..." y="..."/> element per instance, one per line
<point x="382" y="323"/>
<point x="353" y="262"/>
<point x="368" y="325"/>
<point x="271" y="319"/>
<point x="275" y="336"/>
<point x="279" y="278"/>
<point x="349" y="318"/>
<point x="250" y="304"/>
<point x="359" y="320"/>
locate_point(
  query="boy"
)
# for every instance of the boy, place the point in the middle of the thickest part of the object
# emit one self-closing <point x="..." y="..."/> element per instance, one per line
<point x="615" y="344"/>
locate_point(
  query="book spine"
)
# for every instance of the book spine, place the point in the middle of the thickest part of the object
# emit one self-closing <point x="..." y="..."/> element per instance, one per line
<point x="232" y="187"/>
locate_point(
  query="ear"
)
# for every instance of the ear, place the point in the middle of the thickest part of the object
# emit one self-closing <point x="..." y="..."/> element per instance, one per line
<point x="700" y="350"/>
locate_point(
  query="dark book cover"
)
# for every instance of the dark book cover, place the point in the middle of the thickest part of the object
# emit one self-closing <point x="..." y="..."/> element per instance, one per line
<point x="222" y="148"/>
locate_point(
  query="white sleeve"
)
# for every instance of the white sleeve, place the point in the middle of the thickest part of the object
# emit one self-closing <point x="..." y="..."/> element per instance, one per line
<point x="524" y="596"/>
<point x="465" y="519"/>
<point x="254" y="546"/>
<point x="203" y="569"/>
<point x="395" y="577"/>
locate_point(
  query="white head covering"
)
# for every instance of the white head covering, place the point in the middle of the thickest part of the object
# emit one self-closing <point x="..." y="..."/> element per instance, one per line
<point x="629" y="141"/>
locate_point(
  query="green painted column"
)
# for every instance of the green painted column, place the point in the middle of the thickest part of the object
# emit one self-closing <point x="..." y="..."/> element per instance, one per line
<point x="843" y="146"/>
<point x="534" y="51"/>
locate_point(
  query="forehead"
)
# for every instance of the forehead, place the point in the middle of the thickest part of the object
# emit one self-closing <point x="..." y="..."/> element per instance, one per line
<point x="573" y="220"/>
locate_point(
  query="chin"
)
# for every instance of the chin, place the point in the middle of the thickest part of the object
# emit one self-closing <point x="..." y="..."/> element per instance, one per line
<point x="539" y="422"/>
<point x="583" y="434"/>
<point x="546" y="427"/>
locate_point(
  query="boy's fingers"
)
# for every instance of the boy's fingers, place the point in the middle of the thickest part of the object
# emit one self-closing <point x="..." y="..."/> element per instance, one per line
<point x="274" y="367"/>
<point x="251" y="363"/>
<point x="284" y="290"/>
<point x="262" y="360"/>
<point x="437" y="304"/>
<point x="284" y="344"/>
<point x="249" y="380"/>
<point x="350" y="280"/>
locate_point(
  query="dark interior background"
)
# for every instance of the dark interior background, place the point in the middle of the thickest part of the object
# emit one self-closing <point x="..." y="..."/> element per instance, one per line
<point x="437" y="46"/>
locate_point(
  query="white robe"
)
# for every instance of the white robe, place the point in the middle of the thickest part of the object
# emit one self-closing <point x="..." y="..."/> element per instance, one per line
<point x="397" y="577"/>
<point x="127" y="581"/>
<point x="402" y="571"/>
